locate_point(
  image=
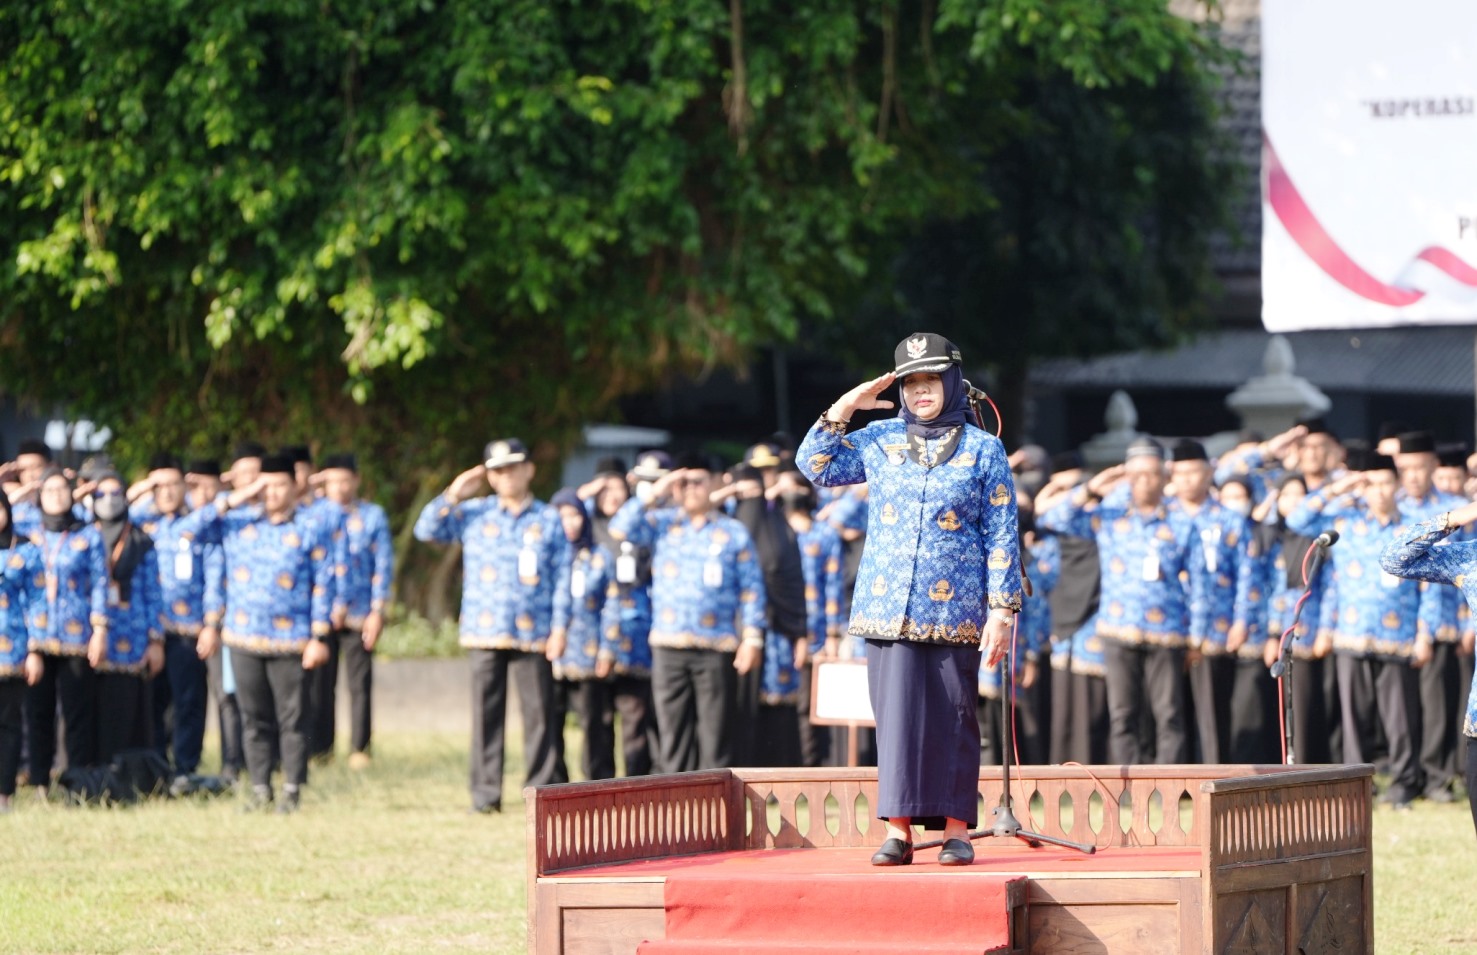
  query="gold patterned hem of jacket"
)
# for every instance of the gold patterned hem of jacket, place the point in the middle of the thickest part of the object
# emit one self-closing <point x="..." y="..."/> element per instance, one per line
<point x="263" y="646"/>
<point x="780" y="699"/>
<point x="966" y="633"/>
<point x="686" y="640"/>
<point x="1140" y="636"/>
<point x="190" y="630"/>
<point x="127" y="669"/>
<point x="1365" y="645"/>
<point x="53" y="647"/>
<point x="1446" y="633"/>
<point x="1083" y="668"/>
<point x="501" y="641"/>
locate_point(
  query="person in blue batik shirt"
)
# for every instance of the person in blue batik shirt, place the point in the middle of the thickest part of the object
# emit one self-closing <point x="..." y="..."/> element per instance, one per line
<point x="709" y="613"/>
<point x="365" y="567"/>
<point x="322" y="683"/>
<point x="20" y="665"/>
<point x="23" y="484"/>
<point x="1441" y="693"/>
<point x="158" y="506"/>
<point x="1152" y="604"/>
<point x="591" y="569"/>
<point x="1032" y="645"/>
<point x="514" y="566"/>
<point x="1378" y="647"/>
<point x="71" y="613"/>
<point x="278" y="573"/>
<point x="940" y="575"/>
<point x="133" y="652"/>
<point x="203" y="485"/>
<point x="1253" y="729"/>
<point x="1420" y="551"/>
<point x="822" y="553"/>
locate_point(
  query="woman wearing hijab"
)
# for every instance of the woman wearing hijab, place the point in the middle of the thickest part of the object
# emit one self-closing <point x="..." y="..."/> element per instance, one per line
<point x="940" y="572"/>
<point x="71" y="611"/>
<point x="20" y="665"/>
<point x="131" y="649"/>
<point x="583" y="586"/>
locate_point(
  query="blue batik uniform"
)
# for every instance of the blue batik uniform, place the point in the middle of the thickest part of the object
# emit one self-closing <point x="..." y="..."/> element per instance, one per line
<point x="1033" y="623"/>
<point x="942" y="541"/>
<point x="185" y="562"/>
<point x="511" y="569"/>
<point x="1223" y="536"/>
<point x="61" y="625"/>
<point x="1443" y="624"/>
<point x="1369" y="612"/>
<point x="1264" y="560"/>
<point x="25" y="517"/>
<point x="278" y="578"/>
<point x="625" y="638"/>
<point x="1254" y="468"/>
<point x="368" y="567"/>
<point x="1165" y="609"/>
<point x="589" y="577"/>
<point x="135" y="618"/>
<point x="20" y="573"/>
<point x="707" y="590"/>
<point x="1414" y="553"/>
<point x="332" y="519"/>
<point x="820" y="563"/>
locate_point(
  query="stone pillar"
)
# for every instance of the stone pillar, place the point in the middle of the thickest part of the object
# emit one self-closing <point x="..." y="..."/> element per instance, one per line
<point x="1107" y="449"/>
<point x="1275" y="401"/>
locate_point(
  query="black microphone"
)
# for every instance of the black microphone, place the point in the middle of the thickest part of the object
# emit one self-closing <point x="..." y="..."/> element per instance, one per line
<point x="974" y="392"/>
<point x="1326" y="539"/>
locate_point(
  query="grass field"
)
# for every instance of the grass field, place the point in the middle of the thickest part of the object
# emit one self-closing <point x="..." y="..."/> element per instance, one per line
<point x="389" y="861"/>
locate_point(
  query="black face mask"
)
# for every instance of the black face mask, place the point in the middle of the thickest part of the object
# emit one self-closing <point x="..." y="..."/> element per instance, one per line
<point x="57" y="523"/>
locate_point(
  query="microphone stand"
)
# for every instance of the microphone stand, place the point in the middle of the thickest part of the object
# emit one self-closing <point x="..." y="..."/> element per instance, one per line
<point x="1282" y="669"/>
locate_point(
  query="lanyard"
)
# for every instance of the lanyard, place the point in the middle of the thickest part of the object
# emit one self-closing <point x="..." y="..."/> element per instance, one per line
<point x="51" y="559"/>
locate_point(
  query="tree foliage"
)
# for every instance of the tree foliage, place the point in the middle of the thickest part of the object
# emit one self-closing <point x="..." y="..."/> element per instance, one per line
<point x="408" y="225"/>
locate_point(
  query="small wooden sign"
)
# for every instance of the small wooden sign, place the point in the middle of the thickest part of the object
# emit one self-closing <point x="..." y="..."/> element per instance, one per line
<point x="839" y="695"/>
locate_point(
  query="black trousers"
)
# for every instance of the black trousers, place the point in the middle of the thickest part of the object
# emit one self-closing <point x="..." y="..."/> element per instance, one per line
<point x="124" y="714"/>
<point x="1386" y="692"/>
<point x="272" y="693"/>
<point x="743" y="728"/>
<point x="228" y="715"/>
<point x="992" y="731"/>
<point x="1033" y="717"/>
<point x="358" y="664"/>
<point x="542" y="733"/>
<point x="1254" y="725"/>
<point x="694" y="692"/>
<point x="1464" y="680"/>
<point x="179" y="695"/>
<point x="777" y="736"/>
<point x="815" y="741"/>
<point x="1063" y="702"/>
<point x="1146" y="682"/>
<point x="1315" y="713"/>
<point x="1472" y="789"/>
<point x="632" y="696"/>
<point x="12" y="730"/>
<point x="1442" y="697"/>
<point x="593" y="704"/>
<point x="70" y="680"/>
<point x="1211" y="683"/>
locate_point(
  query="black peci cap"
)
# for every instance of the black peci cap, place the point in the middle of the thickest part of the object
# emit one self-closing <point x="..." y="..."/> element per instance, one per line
<point x="1452" y="455"/>
<point x="1392" y="429"/>
<point x="504" y="453"/>
<point x="343" y="461"/>
<point x="695" y="461"/>
<point x="33" y="446"/>
<point x="276" y="464"/>
<point x="610" y="465"/>
<point x="1144" y="447"/>
<point x="248" y="449"/>
<point x="1187" y="450"/>
<point x="297" y="453"/>
<point x="1417" y="442"/>
<point x="1377" y="462"/>
<point x="745" y="472"/>
<point x="205" y="466"/>
<point x="164" y="460"/>
<point x="1067" y="461"/>
<point x="1319" y="426"/>
<point x="924" y="352"/>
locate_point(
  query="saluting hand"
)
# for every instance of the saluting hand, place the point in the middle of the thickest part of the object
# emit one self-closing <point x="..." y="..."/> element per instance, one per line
<point x="465" y="483"/>
<point x="862" y="398"/>
<point x="1102" y="482"/>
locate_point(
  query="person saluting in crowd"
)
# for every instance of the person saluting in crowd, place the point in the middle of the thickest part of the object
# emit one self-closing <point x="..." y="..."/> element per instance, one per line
<point x="940" y="572"/>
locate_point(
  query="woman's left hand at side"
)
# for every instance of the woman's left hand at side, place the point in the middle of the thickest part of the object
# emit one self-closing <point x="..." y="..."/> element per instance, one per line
<point x="996" y="639"/>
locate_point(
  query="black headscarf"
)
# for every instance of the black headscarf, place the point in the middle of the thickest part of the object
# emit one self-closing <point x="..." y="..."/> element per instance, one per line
<point x="123" y="560"/>
<point x="65" y="521"/>
<point x="7" y="536"/>
<point x="953" y="415"/>
<point x="568" y="498"/>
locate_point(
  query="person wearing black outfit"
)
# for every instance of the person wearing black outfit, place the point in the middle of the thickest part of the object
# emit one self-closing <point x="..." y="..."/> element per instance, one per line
<point x="20" y="666"/>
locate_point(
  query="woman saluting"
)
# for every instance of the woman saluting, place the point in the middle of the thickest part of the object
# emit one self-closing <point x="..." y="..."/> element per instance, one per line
<point x="940" y="573"/>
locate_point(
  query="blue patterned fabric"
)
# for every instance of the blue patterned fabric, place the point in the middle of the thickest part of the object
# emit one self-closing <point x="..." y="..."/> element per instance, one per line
<point x="589" y="576"/>
<point x="1367" y="611"/>
<point x="1223" y="537"/>
<point x="626" y="632"/>
<point x="135" y="623"/>
<point x="707" y="590"/>
<point x="62" y="626"/>
<point x="820" y="562"/>
<point x="1254" y="468"/>
<point x="330" y="518"/>
<point x="185" y="563"/>
<point x="25" y="517"/>
<point x="1163" y="545"/>
<point x="368" y="555"/>
<point x="1420" y="551"/>
<point x="508" y="599"/>
<point x="277" y="577"/>
<point x="942" y="543"/>
<point x="1443" y="622"/>
<point x="20" y="570"/>
<point x="1087" y="649"/>
<point x="1033" y="623"/>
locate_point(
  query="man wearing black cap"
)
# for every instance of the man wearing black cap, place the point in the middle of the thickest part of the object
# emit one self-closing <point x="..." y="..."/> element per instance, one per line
<point x="203" y="485"/>
<point x="1451" y="469"/>
<point x="279" y="569"/>
<point x="184" y="562"/>
<point x="1153" y="581"/>
<point x="246" y="464"/>
<point x="1222" y="536"/>
<point x="709" y="614"/>
<point x="514" y="565"/>
<point x="1378" y="647"/>
<point x="1441" y="689"/>
<point x="364" y="588"/>
<point x="31" y="460"/>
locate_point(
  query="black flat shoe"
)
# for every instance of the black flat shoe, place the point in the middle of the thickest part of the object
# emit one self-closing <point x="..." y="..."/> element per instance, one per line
<point x="957" y="852"/>
<point x="894" y="852"/>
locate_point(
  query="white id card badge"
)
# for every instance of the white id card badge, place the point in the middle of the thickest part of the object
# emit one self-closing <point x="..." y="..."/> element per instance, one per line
<point x="1151" y="566"/>
<point x="527" y="563"/>
<point x="184" y="562"/>
<point x="713" y="574"/>
<point x="577" y="584"/>
<point x="625" y="569"/>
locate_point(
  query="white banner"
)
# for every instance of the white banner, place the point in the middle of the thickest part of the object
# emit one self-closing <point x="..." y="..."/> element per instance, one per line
<point x="1369" y="163"/>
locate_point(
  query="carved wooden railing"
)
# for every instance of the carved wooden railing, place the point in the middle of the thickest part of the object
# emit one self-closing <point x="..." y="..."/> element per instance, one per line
<point x="1316" y="812"/>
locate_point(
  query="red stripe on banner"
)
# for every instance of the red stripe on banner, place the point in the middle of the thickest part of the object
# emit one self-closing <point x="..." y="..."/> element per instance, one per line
<point x="1446" y="261"/>
<point x="1313" y="239"/>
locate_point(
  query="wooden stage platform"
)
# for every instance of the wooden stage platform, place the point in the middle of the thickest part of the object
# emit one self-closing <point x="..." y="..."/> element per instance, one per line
<point x="1191" y="859"/>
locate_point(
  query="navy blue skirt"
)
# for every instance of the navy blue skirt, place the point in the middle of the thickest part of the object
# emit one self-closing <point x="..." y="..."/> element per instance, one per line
<point x="928" y="735"/>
